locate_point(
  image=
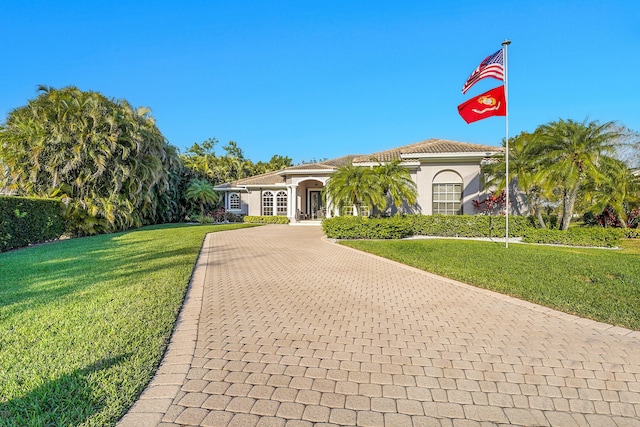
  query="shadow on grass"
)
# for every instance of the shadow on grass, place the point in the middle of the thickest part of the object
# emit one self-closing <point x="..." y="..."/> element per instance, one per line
<point x="68" y="400"/>
<point x="39" y="275"/>
<point x="72" y="266"/>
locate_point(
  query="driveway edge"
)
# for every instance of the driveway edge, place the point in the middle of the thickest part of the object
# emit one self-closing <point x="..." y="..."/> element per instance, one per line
<point x="165" y="385"/>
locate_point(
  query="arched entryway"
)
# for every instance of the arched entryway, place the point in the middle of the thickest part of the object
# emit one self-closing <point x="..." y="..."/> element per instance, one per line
<point x="311" y="203"/>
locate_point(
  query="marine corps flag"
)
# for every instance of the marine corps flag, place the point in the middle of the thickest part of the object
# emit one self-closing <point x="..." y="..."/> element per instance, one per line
<point x="490" y="103"/>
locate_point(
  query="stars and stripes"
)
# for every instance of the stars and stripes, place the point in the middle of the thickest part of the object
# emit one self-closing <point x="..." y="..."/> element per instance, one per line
<point x="492" y="66"/>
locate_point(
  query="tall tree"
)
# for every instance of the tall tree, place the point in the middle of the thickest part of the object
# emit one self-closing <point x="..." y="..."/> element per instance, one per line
<point x="201" y="160"/>
<point x="396" y="183"/>
<point x="618" y="191"/>
<point x="105" y="159"/>
<point x="573" y="152"/>
<point x="628" y="146"/>
<point x="355" y="186"/>
<point x="526" y="173"/>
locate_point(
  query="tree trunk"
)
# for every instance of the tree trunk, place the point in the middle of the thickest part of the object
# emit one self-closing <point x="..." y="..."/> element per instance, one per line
<point x="569" y="201"/>
<point x="540" y="218"/>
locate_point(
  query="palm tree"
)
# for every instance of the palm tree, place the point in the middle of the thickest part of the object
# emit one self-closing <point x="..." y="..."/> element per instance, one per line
<point x="525" y="172"/>
<point x="619" y="191"/>
<point x="355" y="186"/>
<point x="102" y="156"/>
<point x="396" y="183"/>
<point x="573" y="152"/>
<point x="202" y="192"/>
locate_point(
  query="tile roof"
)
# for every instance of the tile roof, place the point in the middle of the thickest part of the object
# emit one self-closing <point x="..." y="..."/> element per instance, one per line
<point x="278" y="177"/>
<point x="325" y="164"/>
<point x="429" y="146"/>
<point x="269" y="178"/>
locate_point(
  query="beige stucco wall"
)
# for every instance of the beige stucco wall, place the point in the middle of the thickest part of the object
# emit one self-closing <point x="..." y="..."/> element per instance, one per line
<point x="243" y="202"/>
<point x="425" y="174"/>
<point x="253" y="199"/>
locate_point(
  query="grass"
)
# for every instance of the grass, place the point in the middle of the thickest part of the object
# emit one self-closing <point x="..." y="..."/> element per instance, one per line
<point x="598" y="284"/>
<point x="84" y="322"/>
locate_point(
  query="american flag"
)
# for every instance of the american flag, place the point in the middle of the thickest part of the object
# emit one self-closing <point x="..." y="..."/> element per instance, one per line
<point x="492" y="66"/>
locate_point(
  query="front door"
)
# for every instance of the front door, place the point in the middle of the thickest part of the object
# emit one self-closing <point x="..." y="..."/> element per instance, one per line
<point x="315" y="204"/>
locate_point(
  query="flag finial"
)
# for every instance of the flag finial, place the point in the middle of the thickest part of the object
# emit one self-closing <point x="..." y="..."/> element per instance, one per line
<point x="506" y="42"/>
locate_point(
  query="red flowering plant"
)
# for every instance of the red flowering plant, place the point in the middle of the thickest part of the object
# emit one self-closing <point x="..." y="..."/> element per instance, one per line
<point x="609" y="218"/>
<point x="491" y="205"/>
<point x="218" y="215"/>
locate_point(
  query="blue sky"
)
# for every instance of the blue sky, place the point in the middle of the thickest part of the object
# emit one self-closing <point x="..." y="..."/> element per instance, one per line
<point x="322" y="79"/>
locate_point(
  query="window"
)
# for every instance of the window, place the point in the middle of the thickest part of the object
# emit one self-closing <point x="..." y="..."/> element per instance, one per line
<point x="281" y="203"/>
<point x="267" y="203"/>
<point x="447" y="199"/>
<point x="234" y="202"/>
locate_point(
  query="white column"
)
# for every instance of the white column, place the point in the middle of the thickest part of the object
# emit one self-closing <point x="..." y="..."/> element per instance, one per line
<point x="329" y="209"/>
<point x="292" y="201"/>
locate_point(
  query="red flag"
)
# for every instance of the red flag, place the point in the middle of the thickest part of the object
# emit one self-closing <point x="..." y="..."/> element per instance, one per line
<point x="490" y="103"/>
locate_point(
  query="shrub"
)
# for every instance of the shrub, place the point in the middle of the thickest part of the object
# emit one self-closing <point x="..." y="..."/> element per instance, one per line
<point x="203" y="219"/>
<point x="576" y="236"/>
<point x="27" y="220"/>
<point x="398" y="227"/>
<point x="360" y="227"/>
<point x="469" y="225"/>
<point x="589" y="218"/>
<point x="551" y="221"/>
<point x="231" y="217"/>
<point x="218" y="215"/>
<point x="266" y="219"/>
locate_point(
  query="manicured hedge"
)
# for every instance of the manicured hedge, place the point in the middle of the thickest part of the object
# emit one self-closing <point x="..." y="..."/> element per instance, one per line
<point x="266" y="219"/>
<point x="26" y="220"/>
<point x="359" y="227"/>
<point x="469" y="225"/>
<point x="398" y="227"/>
<point x="576" y="236"/>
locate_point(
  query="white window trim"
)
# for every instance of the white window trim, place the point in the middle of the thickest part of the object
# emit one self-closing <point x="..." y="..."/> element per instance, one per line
<point x="263" y="208"/>
<point x="434" y="201"/>
<point x="239" y="208"/>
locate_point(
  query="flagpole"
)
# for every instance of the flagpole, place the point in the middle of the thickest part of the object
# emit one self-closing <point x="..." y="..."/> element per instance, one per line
<point x="506" y="43"/>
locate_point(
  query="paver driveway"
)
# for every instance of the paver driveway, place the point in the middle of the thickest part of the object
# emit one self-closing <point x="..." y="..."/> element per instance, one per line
<point x="282" y="328"/>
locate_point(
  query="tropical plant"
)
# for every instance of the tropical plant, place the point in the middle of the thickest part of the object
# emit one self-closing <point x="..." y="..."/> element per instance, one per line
<point x="202" y="162"/>
<point x="396" y="183"/>
<point x="201" y="192"/>
<point x="355" y="186"/>
<point x="617" y="194"/>
<point x="572" y="153"/>
<point x="526" y="173"/>
<point x="107" y="161"/>
<point x="628" y="146"/>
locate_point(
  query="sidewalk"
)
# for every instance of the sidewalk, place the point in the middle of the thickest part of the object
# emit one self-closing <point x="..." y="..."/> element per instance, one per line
<point x="283" y="328"/>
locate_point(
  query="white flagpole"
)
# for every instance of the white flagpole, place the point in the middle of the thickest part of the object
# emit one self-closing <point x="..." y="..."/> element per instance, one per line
<point x="506" y="100"/>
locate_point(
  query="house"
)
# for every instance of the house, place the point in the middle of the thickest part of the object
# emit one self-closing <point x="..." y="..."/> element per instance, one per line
<point x="447" y="176"/>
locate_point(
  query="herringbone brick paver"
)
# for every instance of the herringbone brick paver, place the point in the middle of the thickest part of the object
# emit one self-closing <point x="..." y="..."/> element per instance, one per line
<point x="283" y="328"/>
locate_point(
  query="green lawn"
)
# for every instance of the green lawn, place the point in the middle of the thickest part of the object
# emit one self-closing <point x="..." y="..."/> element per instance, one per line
<point x="84" y="322"/>
<point x="599" y="284"/>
